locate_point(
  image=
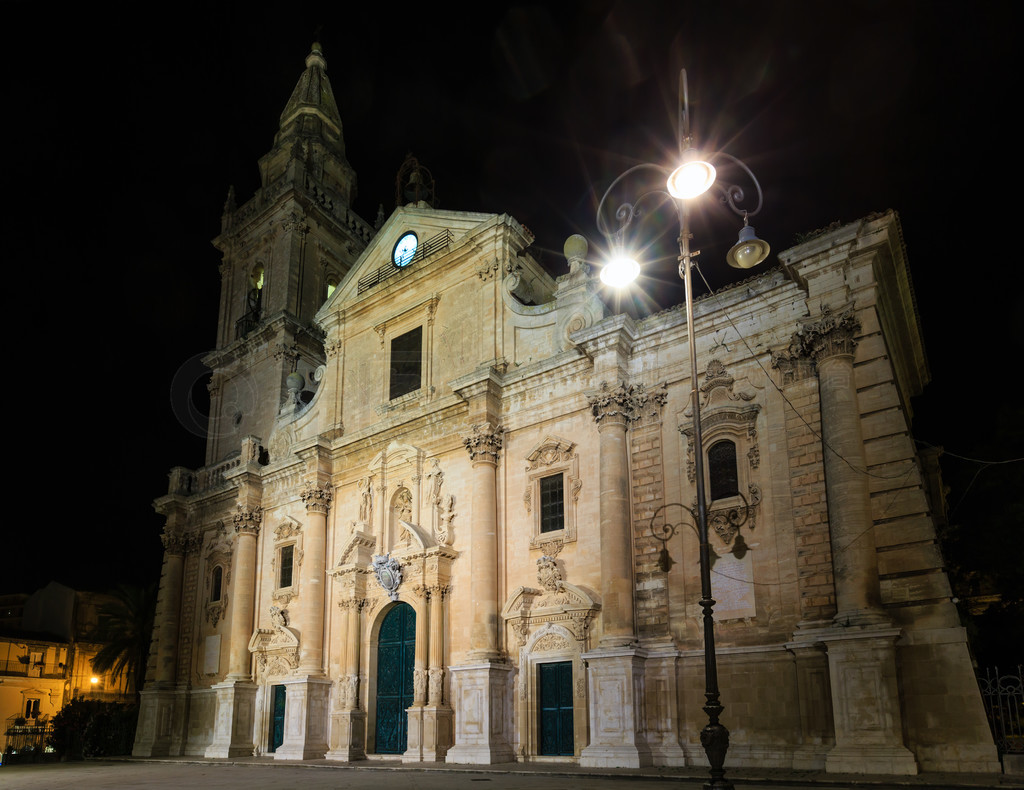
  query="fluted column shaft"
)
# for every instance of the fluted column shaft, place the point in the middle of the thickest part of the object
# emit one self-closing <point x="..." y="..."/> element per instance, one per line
<point x="314" y="557"/>
<point x="243" y="591"/>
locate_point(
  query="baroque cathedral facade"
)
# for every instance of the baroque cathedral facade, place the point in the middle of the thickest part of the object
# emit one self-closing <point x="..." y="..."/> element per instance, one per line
<point x="444" y="511"/>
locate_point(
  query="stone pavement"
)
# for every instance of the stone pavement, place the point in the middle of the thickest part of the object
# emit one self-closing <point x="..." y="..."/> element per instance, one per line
<point x="251" y="773"/>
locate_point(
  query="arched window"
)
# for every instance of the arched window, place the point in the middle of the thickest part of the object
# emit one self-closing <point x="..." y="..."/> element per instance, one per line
<point x="255" y="288"/>
<point x="723" y="476"/>
<point x="216" y="581"/>
<point x="332" y="283"/>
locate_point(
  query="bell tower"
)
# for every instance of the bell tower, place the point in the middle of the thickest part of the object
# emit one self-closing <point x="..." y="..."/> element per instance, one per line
<point x="283" y="251"/>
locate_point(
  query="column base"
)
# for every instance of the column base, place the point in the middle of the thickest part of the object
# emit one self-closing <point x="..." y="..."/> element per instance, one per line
<point x="233" y="723"/>
<point x="895" y="760"/>
<point x="348" y="736"/>
<point x="430" y="733"/>
<point x="155" y="731"/>
<point x="617" y="730"/>
<point x="865" y="703"/>
<point x="305" y="729"/>
<point x="482" y="694"/>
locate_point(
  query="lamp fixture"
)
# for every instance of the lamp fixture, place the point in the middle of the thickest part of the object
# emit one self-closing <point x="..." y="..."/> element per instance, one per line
<point x="620" y="271"/>
<point x="748" y="251"/>
<point x="694" y="176"/>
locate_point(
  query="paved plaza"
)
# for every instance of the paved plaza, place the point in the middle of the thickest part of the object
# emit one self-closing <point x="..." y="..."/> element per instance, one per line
<point x="252" y="774"/>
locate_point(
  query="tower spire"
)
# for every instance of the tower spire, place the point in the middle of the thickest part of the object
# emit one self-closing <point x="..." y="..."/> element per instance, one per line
<point x="309" y="137"/>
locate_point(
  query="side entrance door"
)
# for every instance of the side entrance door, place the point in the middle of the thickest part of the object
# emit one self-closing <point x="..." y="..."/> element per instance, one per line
<point x="555" y="683"/>
<point x="277" y="698"/>
<point x="396" y="651"/>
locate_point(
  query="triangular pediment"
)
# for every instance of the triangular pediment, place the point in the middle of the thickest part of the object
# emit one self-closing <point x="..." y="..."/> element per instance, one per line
<point x="438" y="232"/>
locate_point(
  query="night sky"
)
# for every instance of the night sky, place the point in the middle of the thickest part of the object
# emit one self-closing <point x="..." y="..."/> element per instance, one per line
<point x="126" y="124"/>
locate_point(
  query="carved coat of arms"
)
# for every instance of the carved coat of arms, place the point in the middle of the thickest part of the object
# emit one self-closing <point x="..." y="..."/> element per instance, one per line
<point x="389" y="574"/>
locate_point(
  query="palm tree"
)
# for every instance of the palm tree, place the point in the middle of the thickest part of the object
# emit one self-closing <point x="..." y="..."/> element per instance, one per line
<point x="124" y="627"/>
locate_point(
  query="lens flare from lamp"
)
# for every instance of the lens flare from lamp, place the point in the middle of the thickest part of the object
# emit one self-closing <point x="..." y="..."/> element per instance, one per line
<point x="620" y="272"/>
<point x="748" y="251"/>
<point x="692" y="178"/>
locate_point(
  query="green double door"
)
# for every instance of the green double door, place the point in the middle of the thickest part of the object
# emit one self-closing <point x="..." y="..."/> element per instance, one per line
<point x="396" y="649"/>
<point x="555" y="685"/>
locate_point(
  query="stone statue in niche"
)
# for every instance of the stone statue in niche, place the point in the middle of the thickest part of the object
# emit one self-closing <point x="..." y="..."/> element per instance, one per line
<point x="365" y="500"/>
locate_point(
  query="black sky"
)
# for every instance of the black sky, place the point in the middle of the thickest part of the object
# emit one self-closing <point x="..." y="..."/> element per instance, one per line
<point x="125" y="125"/>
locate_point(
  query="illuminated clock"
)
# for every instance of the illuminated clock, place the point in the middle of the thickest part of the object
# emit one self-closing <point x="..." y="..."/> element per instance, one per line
<point x="405" y="249"/>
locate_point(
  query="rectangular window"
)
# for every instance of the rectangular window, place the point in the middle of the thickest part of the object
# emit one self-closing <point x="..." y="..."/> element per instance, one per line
<point x="406" y="363"/>
<point x="552" y="508"/>
<point x="287" y="557"/>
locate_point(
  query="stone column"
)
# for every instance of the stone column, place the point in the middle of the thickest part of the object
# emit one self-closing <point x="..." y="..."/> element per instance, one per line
<point x="831" y="343"/>
<point x="482" y="690"/>
<point x="613" y="409"/>
<point x="153" y="737"/>
<point x="616" y="669"/>
<point x="317" y="500"/>
<point x="862" y="642"/>
<point x="236" y="696"/>
<point x="484" y="446"/>
<point x="348" y="723"/>
<point x="307" y="700"/>
<point x="243" y="592"/>
<point x="430" y="720"/>
<point x="435" y="674"/>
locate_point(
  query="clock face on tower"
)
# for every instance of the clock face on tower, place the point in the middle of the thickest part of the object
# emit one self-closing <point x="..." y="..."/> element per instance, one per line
<point x="405" y="249"/>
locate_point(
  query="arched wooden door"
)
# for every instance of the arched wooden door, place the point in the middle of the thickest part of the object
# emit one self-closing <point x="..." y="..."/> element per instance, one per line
<point x="396" y="650"/>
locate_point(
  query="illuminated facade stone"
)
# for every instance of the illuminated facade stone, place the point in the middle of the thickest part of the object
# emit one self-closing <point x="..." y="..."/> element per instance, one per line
<point x="330" y="497"/>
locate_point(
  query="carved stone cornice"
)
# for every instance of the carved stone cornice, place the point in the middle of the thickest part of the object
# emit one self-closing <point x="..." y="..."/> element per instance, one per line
<point x="248" y="520"/>
<point x="317" y="499"/>
<point x="484" y="444"/>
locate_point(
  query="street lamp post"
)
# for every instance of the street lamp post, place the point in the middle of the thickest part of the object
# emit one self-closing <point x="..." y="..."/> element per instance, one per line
<point x="694" y="176"/>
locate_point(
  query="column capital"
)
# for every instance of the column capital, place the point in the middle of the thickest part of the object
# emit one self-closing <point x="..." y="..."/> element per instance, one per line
<point x="484" y="443"/>
<point x="622" y="403"/>
<point x="316" y="498"/>
<point x="248" y="520"/>
<point x="832" y="334"/>
<point x="176" y="543"/>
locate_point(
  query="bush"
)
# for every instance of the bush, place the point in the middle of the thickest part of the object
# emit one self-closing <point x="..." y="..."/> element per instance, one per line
<point x="90" y="728"/>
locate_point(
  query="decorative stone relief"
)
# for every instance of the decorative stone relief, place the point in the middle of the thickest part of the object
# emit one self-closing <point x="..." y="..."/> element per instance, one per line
<point x="276" y="648"/>
<point x="316" y="498"/>
<point x="248" y="520"/>
<point x="288" y="529"/>
<point x="484" y="443"/>
<point x="389" y="574"/>
<point x="626" y="402"/>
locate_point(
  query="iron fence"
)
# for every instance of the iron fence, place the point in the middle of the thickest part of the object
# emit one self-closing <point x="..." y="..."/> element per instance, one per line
<point x="1003" y="696"/>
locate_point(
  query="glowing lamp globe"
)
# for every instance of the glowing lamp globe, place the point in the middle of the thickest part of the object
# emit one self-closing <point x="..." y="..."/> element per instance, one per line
<point x="692" y="178"/>
<point x="620" y="272"/>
